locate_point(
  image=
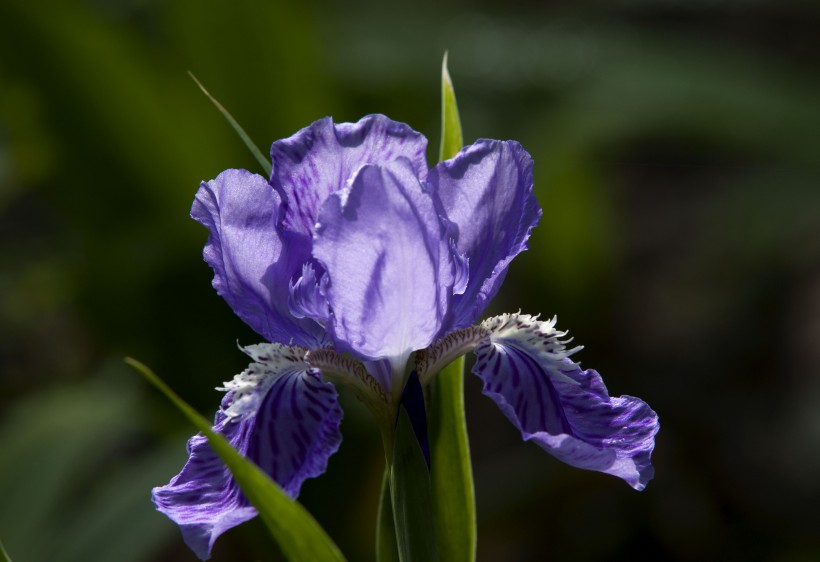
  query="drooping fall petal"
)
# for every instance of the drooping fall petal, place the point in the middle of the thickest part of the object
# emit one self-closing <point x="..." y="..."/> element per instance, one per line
<point x="279" y="414"/>
<point x="567" y="411"/>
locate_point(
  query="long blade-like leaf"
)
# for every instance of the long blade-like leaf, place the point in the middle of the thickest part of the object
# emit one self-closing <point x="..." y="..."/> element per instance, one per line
<point x="266" y="165"/>
<point x="298" y="534"/>
<point x="4" y="557"/>
<point x="451" y="138"/>
<point x="451" y="471"/>
<point x="411" y="496"/>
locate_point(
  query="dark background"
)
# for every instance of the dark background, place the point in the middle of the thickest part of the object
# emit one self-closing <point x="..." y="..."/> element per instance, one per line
<point x="677" y="150"/>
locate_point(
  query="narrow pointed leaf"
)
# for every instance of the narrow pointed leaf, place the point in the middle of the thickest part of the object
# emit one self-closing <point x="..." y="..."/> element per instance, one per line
<point x="451" y="470"/>
<point x="264" y="162"/>
<point x="298" y="534"/>
<point x="452" y="473"/>
<point x="386" y="547"/>
<point x="411" y="496"/>
<point x="4" y="557"/>
<point x="451" y="138"/>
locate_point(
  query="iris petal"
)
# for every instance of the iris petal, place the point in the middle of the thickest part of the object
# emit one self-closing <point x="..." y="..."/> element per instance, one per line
<point x="280" y="415"/>
<point x="486" y="191"/>
<point x="252" y="263"/>
<point x="389" y="265"/>
<point x="307" y="297"/>
<point x="566" y="410"/>
<point x="321" y="158"/>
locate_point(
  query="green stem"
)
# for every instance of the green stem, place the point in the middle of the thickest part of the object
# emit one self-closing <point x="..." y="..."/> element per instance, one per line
<point x="411" y="496"/>
<point x="451" y="471"/>
<point x="387" y="550"/>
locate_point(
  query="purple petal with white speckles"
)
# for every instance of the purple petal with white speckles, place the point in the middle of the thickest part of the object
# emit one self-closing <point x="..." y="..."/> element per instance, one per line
<point x="564" y="409"/>
<point x="290" y="430"/>
<point x="321" y="158"/>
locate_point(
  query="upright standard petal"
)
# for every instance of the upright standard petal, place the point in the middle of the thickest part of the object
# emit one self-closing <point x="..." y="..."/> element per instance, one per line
<point x="565" y="410"/>
<point x="389" y="266"/>
<point x="321" y="158"/>
<point x="279" y="414"/>
<point x="487" y="193"/>
<point x="252" y="263"/>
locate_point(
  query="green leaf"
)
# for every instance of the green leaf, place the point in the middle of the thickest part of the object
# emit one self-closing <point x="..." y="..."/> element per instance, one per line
<point x="386" y="548"/>
<point x="451" y="470"/>
<point x="266" y="165"/>
<point x="451" y="139"/>
<point x="4" y="556"/>
<point x="452" y="473"/>
<point x="411" y="496"/>
<point x="299" y="535"/>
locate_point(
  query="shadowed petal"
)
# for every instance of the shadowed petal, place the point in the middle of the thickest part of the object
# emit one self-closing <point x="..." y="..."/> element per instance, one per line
<point x="279" y="414"/>
<point x="252" y="263"/>
<point x="487" y="193"/>
<point x="389" y="266"/>
<point x="321" y="159"/>
<point x="568" y="412"/>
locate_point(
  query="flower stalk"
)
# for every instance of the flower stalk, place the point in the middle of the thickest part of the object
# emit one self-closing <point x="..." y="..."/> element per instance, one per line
<point x="451" y="468"/>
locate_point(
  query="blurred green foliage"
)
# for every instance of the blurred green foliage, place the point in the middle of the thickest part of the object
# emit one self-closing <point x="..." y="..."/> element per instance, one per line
<point x="677" y="150"/>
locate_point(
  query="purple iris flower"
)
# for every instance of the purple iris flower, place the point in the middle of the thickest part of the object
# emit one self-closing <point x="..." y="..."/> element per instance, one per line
<point x="358" y="265"/>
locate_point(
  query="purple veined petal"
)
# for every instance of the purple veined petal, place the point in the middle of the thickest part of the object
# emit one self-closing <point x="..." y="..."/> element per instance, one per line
<point x="321" y="158"/>
<point x="358" y="376"/>
<point x="486" y="191"/>
<point x="279" y="414"/>
<point x="565" y="410"/>
<point x="307" y="294"/>
<point x="388" y="261"/>
<point x="252" y="263"/>
<point x="381" y="371"/>
<point x="461" y="270"/>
